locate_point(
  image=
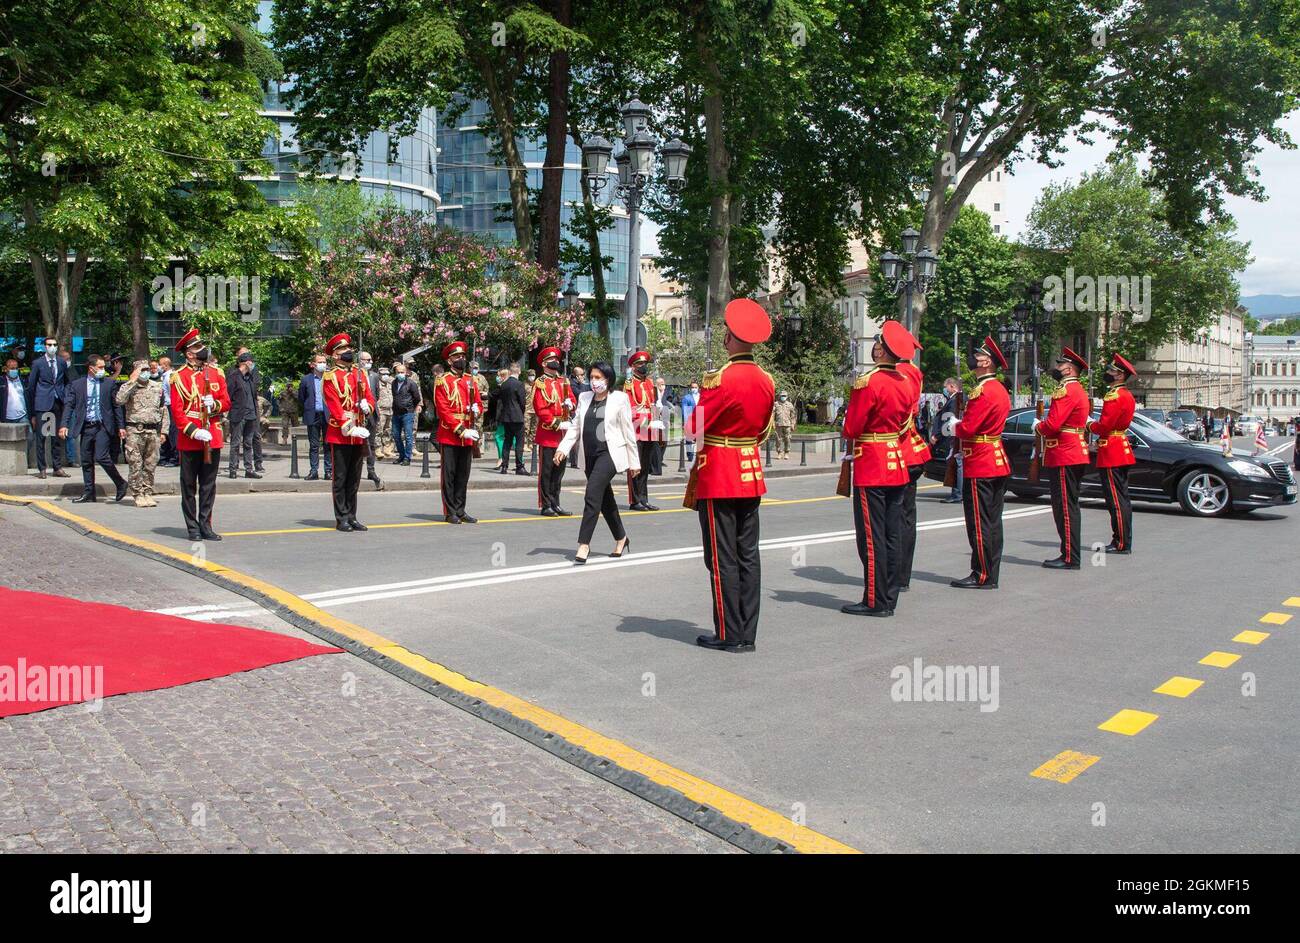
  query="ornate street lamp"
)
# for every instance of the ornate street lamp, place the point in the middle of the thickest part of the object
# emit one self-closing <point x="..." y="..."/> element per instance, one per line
<point x="571" y="295"/>
<point x="911" y="272"/>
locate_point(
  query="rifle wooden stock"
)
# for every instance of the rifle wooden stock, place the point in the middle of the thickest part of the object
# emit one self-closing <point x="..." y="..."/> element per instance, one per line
<point x="844" y="486"/>
<point x="688" y="499"/>
<point x="1036" y="463"/>
<point x="950" y="473"/>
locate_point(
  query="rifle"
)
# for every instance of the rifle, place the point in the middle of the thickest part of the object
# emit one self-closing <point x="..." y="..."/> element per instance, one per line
<point x="844" y="486"/>
<point x="207" y="417"/>
<point x="950" y="473"/>
<point x="1036" y="462"/>
<point x="688" y="499"/>
<point x="356" y="380"/>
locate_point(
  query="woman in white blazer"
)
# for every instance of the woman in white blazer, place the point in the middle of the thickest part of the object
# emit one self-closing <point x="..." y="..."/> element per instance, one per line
<point x="602" y="433"/>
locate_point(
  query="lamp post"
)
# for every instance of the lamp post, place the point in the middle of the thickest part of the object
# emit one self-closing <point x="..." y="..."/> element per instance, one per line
<point x="1032" y="320"/>
<point x="910" y="272"/>
<point x="635" y="165"/>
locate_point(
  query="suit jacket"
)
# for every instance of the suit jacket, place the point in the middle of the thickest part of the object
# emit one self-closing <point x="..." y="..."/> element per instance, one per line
<point x="620" y="436"/>
<point x="243" y="395"/>
<point x="74" y="408"/>
<point x="307" y="399"/>
<point x="46" y="388"/>
<point x="510" y="400"/>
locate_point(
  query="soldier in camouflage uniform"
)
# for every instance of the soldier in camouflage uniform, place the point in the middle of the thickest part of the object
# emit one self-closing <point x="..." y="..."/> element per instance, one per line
<point x="289" y="410"/>
<point x="783" y="419"/>
<point x="383" y="441"/>
<point x="146" y="423"/>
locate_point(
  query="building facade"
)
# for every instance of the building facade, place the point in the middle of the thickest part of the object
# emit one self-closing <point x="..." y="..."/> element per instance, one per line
<point x="1204" y="373"/>
<point x="1273" y="376"/>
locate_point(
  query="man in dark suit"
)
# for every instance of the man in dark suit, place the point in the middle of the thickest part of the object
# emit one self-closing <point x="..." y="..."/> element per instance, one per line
<point x="951" y="387"/>
<point x="311" y="396"/>
<point x="243" y="414"/>
<point x="47" y="386"/>
<point x="92" y="417"/>
<point x="406" y="406"/>
<point x="510" y="415"/>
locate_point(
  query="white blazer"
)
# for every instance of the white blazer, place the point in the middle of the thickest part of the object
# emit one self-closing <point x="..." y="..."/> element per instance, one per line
<point x="620" y="436"/>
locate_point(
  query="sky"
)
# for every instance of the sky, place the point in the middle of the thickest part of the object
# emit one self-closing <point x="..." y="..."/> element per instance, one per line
<point x="1270" y="227"/>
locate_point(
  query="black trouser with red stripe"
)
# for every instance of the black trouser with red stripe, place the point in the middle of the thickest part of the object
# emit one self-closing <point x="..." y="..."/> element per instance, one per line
<point x="909" y="525"/>
<point x="982" y="500"/>
<point x="638" y="486"/>
<point x="198" y="476"/>
<point x="549" y="479"/>
<point x="456" y="462"/>
<point x="878" y="520"/>
<point x="1065" y="507"/>
<point x="1114" y="484"/>
<point x="730" y="529"/>
<point x="346" y="462"/>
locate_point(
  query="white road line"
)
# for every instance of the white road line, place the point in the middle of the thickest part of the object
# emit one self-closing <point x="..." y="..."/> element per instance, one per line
<point x="330" y="599"/>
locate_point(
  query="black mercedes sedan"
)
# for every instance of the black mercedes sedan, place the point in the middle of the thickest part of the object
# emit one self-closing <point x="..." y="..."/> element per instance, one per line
<point x="1169" y="468"/>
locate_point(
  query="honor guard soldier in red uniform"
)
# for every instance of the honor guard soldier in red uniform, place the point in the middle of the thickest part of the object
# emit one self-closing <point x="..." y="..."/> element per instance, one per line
<point x="735" y="416"/>
<point x="553" y="404"/>
<point x="1064" y="433"/>
<point x="640" y="389"/>
<point x="1114" y="454"/>
<point x="876" y="423"/>
<point x="198" y="398"/>
<point x="458" y="402"/>
<point x="916" y="452"/>
<point x="984" y="466"/>
<point x="349" y="402"/>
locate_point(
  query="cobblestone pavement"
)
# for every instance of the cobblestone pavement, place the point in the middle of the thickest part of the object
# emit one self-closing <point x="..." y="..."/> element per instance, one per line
<point x="325" y="754"/>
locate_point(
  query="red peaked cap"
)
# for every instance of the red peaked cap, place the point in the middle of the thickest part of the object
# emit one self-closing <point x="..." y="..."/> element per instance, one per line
<point x="549" y="353"/>
<point x="455" y="347"/>
<point x="747" y="321"/>
<point x="336" y="343"/>
<point x="1069" y="356"/>
<point x="990" y="347"/>
<point x="191" y="338"/>
<point x="898" y="340"/>
<point x="1124" y="365"/>
<point x="639" y="357"/>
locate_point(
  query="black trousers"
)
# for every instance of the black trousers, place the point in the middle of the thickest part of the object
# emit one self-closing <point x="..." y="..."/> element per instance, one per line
<point x="454" y="472"/>
<point x="347" y="463"/>
<point x="47" y="431"/>
<point x="257" y="444"/>
<point x="514" y="433"/>
<point x="638" y="486"/>
<point x="1065" y="507"/>
<point x="878" y="520"/>
<point x="549" y="479"/>
<point x="909" y="525"/>
<point x="97" y="447"/>
<point x="1114" y="483"/>
<point x="982" y="500"/>
<point x="315" y="445"/>
<point x="599" y="500"/>
<point x="729" y="527"/>
<point x="241" y="441"/>
<point x="198" y="475"/>
<point x="167" y="447"/>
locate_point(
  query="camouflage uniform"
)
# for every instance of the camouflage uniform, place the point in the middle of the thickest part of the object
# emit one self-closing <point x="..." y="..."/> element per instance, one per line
<point x="530" y="415"/>
<point x="783" y="417"/>
<point x="383" y="444"/>
<point x="146" y="424"/>
<point x="289" y="407"/>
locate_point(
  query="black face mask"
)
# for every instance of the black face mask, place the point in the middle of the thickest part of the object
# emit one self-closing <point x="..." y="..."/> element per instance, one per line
<point x="1056" y="374"/>
<point x="202" y="355"/>
<point x="458" y="365"/>
<point x="347" y="357"/>
<point x="972" y="363"/>
<point x="1112" y="379"/>
<point x="640" y="370"/>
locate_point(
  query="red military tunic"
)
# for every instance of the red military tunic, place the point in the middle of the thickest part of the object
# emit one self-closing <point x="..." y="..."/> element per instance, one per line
<point x="643" y="394"/>
<point x="1065" y="427"/>
<point x="1113" y="449"/>
<point x="551" y="396"/>
<point x="879" y="407"/>
<point x="344" y="391"/>
<point x="453" y="396"/>
<point x="916" y="451"/>
<point x="189" y="386"/>
<point x="980" y="430"/>
<point x="735" y="417"/>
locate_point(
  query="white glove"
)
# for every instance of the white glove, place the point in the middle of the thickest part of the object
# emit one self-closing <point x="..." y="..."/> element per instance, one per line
<point x="365" y="406"/>
<point x="657" y="424"/>
<point x="950" y="426"/>
<point x="570" y="403"/>
<point x="359" y="432"/>
<point x="471" y="434"/>
<point x="209" y="402"/>
<point x="201" y="435"/>
<point x="1034" y="426"/>
<point x="565" y="426"/>
<point x="474" y="408"/>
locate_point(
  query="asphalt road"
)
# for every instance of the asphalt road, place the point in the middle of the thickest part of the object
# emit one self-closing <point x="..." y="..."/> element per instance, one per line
<point x="809" y="725"/>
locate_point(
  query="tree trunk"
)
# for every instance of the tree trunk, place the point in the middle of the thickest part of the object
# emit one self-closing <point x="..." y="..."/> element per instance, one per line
<point x="551" y="201"/>
<point x="139" y="319"/>
<point x="719" y="167"/>
<point x="502" y="105"/>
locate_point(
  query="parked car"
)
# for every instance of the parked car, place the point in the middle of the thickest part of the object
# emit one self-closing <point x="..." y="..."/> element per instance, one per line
<point x="1246" y="426"/>
<point x="1159" y="415"/>
<point x="1193" y="425"/>
<point x="1169" y="469"/>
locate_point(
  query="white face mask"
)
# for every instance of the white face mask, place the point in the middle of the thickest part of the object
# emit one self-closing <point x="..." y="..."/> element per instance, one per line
<point x="320" y="368"/>
<point x="598" y="386"/>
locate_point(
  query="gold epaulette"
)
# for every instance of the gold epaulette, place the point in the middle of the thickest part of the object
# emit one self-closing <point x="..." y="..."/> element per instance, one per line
<point x="1113" y="394"/>
<point x="713" y="378"/>
<point x="979" y="389"/>
<point x="864" y="379"/>
<point x="1059" y="393"/>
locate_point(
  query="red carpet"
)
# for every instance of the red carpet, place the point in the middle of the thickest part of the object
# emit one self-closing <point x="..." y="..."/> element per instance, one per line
<point x="57" y="651"/>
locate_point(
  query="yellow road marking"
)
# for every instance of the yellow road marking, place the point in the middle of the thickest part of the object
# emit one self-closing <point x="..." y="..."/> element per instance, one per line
<point x="1293" y="601"/>
<point x="1065" y="766"/>
<point x="1250" y="637"/>
<point x="1178" y="686"/>
<point x="759" y="818"/>
<point x="1220" y="659"/>
<point x="1276" y="618"/>
<point x="1129" y="722"/>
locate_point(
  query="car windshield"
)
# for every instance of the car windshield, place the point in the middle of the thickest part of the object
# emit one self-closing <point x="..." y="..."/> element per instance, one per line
<point x="1185" y="415"/>
<point x="1153" y="431"/>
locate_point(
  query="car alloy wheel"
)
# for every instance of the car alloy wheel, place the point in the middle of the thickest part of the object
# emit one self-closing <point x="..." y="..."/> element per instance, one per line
<point x="1205" y="493"/>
